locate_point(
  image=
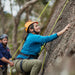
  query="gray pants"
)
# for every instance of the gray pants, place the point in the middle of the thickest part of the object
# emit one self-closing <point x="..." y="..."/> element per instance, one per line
<point x="28" y="65"/>
<point x="3" y="72"/>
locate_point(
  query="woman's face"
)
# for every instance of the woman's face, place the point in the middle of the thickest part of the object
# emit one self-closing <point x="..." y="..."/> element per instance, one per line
<point x="37" y="28"/>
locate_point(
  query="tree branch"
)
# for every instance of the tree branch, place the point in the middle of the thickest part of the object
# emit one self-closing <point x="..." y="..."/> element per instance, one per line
<point x="17" y="20"/>
<point x="26" y="5"/>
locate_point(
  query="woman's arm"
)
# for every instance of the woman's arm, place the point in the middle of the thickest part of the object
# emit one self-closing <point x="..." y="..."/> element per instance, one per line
<point x="62" y="31"/>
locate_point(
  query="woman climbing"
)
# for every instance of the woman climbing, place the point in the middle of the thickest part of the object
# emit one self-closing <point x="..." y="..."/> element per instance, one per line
<point x="27" y="60"/>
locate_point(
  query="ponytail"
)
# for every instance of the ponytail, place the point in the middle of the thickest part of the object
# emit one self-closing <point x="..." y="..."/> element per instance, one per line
<point x="25" y="37"/>
<point x="30" y="27"/>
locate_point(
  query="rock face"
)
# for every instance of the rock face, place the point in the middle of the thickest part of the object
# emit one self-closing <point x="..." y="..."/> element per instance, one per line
<point x="60" y="58"/>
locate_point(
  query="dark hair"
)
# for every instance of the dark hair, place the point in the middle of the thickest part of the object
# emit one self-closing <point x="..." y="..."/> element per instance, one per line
<point x="30" y="27"/>
<point x="25" y="36"/>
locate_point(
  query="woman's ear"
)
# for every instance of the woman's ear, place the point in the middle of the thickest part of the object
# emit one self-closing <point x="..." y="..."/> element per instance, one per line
<point x="31" y="30"/>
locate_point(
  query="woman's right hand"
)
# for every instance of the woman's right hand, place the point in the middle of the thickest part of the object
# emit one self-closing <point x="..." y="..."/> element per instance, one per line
<point x="67" y="27"/>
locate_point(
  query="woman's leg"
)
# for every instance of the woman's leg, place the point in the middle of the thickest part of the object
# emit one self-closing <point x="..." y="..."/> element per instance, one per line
<point x="29" y="65"/>
<point x="32" y="65"/>
<point x="36" y="68"/>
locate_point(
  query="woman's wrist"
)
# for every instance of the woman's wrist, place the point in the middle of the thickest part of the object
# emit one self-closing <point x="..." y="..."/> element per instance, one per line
<point x="64" y="30"/>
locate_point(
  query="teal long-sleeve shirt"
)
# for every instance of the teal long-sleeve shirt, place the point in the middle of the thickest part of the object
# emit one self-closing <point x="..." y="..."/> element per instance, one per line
<point x="33" y="43"/>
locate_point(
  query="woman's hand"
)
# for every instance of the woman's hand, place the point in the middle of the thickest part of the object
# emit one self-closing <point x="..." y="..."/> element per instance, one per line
<point x="65" y="29"/>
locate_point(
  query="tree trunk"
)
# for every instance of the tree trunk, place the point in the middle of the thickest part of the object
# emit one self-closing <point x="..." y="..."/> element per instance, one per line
<point x="61" y="51"/>
<point x="11" y="6"/>
<point x="2" y="18"/>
